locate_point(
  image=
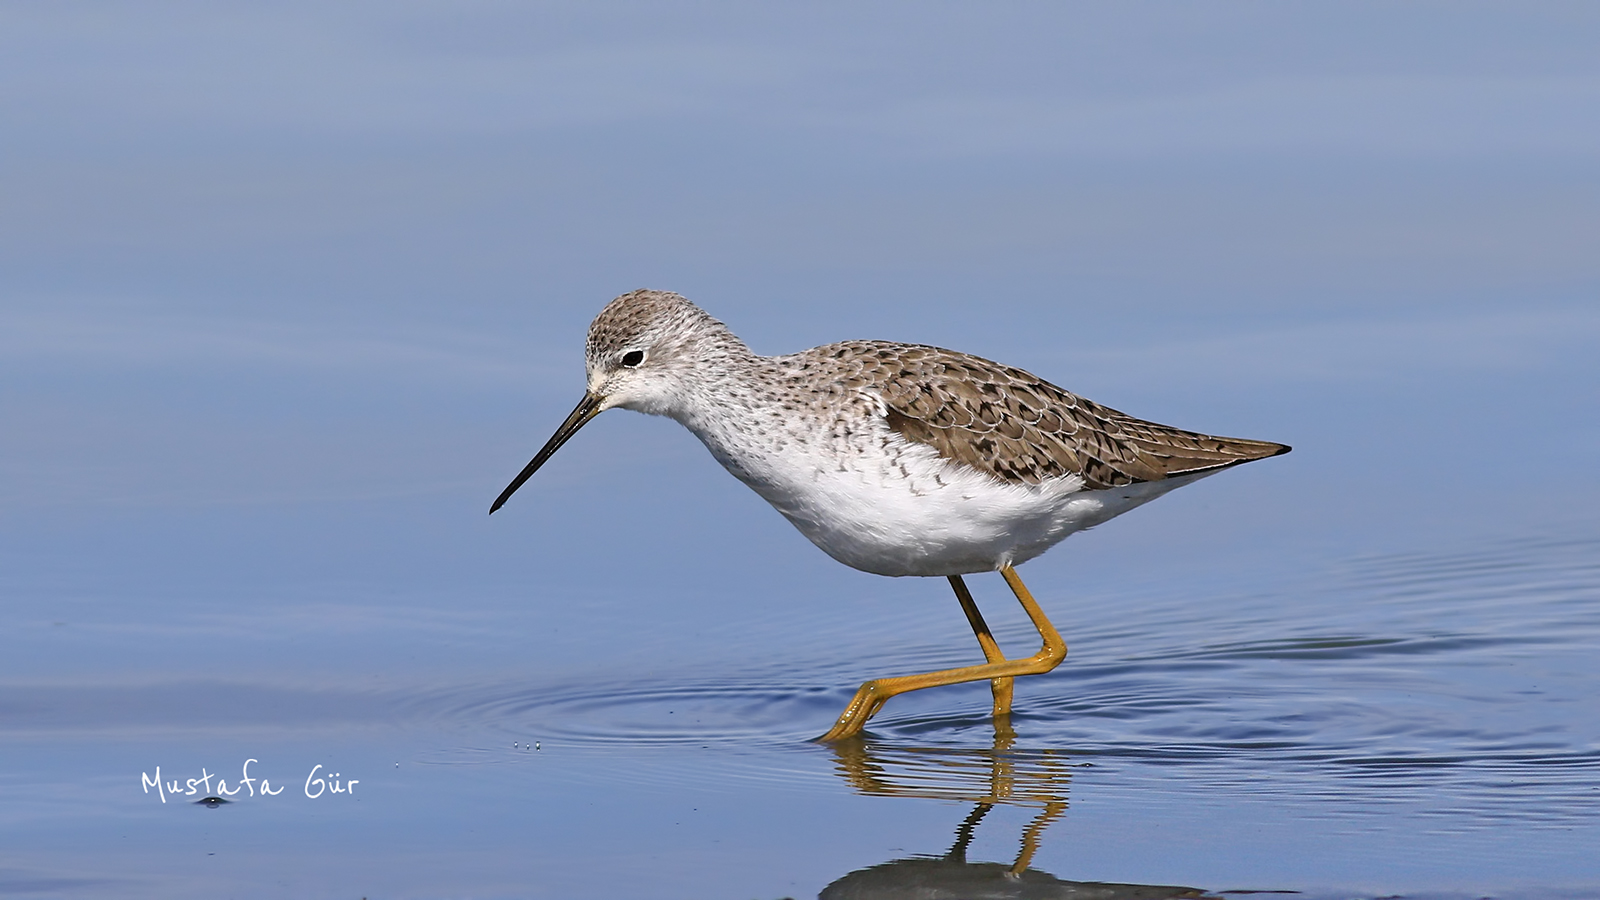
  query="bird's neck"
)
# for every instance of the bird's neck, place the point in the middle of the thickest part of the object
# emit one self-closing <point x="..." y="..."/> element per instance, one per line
<point x="725" y="404"/>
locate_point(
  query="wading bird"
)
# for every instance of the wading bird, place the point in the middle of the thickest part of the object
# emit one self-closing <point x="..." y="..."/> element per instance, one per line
<point x="896" y="459"/>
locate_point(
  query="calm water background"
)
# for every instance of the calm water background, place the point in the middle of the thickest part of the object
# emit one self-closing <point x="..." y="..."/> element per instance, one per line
<point x="287" y="296"/>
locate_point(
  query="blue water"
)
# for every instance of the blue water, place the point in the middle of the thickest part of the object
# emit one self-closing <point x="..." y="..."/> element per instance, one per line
<point x="289" y="292"/>
<point x="1419" y="723"/>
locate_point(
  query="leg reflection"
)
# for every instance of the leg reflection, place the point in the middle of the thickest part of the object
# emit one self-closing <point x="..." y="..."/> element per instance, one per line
<point x="1000" y="775"/>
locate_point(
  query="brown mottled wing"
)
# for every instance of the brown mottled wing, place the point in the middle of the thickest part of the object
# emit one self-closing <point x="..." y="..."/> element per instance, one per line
<point x="1021" y="428"/>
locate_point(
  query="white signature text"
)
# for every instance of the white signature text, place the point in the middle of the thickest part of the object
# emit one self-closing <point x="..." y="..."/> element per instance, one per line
<point x="318" y="783"/>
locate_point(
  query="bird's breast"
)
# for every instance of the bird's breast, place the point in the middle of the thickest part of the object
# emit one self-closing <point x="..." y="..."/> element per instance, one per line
<point x="877" y="502"/>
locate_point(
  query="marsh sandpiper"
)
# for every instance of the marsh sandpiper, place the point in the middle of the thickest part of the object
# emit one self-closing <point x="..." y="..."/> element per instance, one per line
<point x="896" y="459"/>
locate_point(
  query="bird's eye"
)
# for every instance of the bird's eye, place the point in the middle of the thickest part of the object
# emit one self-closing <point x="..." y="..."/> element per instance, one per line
<point x="633" y="358"/>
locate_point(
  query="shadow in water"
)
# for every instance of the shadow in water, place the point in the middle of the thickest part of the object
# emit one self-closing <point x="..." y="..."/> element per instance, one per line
<point x="999" y="776"/>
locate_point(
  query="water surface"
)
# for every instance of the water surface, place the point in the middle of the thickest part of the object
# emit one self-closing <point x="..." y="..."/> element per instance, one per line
<point x="289" y="292"/>
<point x="1419" y="723"/>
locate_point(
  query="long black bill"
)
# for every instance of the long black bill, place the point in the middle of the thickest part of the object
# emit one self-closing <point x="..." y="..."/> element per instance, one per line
<point x="588" y="408"/>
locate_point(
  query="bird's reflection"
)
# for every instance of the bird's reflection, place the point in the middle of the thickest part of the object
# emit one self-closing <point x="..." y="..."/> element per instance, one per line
<point x="999" y="776"/>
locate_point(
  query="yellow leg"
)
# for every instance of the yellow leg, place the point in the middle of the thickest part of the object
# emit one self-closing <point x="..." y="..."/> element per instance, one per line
<point x="1030" y="838"/>
<point x="872" y="695"/>
<point x="991" y="649"/>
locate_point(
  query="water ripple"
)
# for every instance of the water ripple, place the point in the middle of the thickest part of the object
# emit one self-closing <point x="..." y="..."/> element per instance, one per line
<point x="1457" y="683"/>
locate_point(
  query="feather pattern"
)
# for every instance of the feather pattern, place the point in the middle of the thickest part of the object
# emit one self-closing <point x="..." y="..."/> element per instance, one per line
<point x="1015" y="426"/>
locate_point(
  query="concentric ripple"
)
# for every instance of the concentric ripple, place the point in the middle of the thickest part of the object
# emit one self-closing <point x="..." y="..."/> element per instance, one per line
<point x="625" y="714"/>
<point x="1451" y="683"/>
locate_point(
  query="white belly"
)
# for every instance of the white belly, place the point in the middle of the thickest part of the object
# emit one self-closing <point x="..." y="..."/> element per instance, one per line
<point x="892" y="507"/>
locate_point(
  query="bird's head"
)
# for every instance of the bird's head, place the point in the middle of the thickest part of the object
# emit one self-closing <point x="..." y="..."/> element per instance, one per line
<point x="645" y="349"/>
